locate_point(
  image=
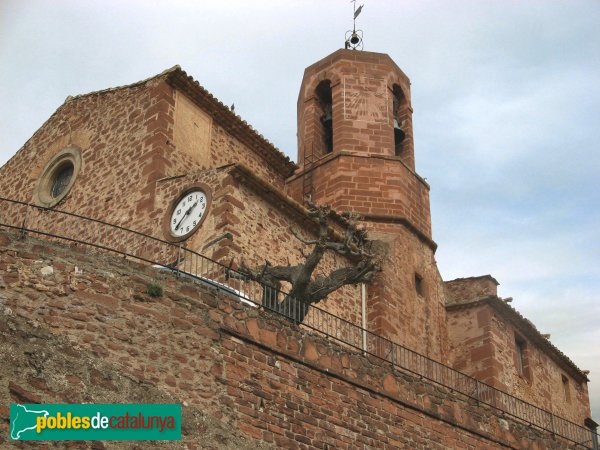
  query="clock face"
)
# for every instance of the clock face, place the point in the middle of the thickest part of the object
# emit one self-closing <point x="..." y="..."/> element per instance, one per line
<point x="188" y="213"/>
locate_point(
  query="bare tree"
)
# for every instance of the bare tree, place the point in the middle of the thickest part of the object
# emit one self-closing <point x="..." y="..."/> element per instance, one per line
<point x="308" y="288"/>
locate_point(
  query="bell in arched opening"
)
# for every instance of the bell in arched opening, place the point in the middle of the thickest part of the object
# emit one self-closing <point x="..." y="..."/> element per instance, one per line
<point x="323" y="92"/>
<point x="399" y="136"/>
<point x="400" y="111"/>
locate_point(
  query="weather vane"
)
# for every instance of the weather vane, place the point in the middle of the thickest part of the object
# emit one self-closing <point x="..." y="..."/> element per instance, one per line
<point x="354" y="38"/>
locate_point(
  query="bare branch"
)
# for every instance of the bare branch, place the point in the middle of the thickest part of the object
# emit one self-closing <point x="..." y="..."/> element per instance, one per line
<point x="337" y="247"/>
<point x="300" y="238"/>
<point x="306" y="288"/>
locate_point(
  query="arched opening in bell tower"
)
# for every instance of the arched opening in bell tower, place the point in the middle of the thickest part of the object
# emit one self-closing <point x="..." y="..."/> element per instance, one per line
<point x="325" y="114"/>
<point x="399" y="110"/>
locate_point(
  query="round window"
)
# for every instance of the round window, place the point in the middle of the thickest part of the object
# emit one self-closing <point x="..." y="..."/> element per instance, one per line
<point x="62" y="179"/>
<point x="58" y="177"/>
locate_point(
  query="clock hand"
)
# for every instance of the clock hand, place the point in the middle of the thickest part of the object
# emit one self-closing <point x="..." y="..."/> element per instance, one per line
<point x="185" y="215"/>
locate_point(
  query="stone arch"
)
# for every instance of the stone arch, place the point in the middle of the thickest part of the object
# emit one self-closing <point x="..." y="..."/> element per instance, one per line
<point x="401" y="119"/>
<point x="330" y="75"/>
<point x="58" y="177"/>
<point x="399" y="110"/>
<point x="324" y="111"/>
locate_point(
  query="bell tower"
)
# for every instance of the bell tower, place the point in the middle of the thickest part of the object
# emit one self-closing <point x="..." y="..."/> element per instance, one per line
<point x="355" y="101"/>
<point x="356" y="153"/>
<point x="355" y="138"/>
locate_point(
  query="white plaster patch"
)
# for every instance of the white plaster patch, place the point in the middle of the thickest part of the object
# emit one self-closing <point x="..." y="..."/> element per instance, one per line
<point x="47" y="270"/>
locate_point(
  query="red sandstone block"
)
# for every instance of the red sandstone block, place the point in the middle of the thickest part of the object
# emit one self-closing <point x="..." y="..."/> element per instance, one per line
<point x="4" y="412"/>
<point x="104" y="300"/>
<point x="22" y="395"/>
<point x="4" y="240"/>
<point x="483" y="352"/>
<point x="38" y="383"/>
<point x="157" y="108"/>
<point x="303" y="439"/>
<point x="73" y="379"/>
<point x="115" y="346"/>
<point x="146" y="311"/>
<point x="158" y="121"/>
<point x="234" y="201"/>
<point x="182" y="324"/>
<point x="171" y="381"/>
<point x="78" y="316"/>
<point x="254" y="432"/>
<point x="287" y="443"/>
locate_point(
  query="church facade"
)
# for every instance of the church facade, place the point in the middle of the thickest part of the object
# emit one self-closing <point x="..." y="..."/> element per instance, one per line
<point x="164" y="158"/>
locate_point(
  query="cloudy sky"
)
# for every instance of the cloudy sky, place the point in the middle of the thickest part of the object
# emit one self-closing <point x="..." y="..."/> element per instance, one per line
<point x="506" y="98"/>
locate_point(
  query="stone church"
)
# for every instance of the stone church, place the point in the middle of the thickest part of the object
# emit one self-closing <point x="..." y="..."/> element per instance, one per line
<point x="159" y="185"/>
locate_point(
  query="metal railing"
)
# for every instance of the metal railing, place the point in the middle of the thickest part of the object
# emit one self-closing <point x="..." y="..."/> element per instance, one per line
<point x="65" y="226"/>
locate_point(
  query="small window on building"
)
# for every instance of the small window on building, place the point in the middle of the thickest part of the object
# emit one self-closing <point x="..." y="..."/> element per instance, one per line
<point x="521" y="356"/>
<point x="419" y="284"/>
<point x="58" y="177"/>
<point x="566" y="390"/>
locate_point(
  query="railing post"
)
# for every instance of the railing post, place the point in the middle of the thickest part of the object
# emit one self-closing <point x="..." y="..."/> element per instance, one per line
<point x="24" y="224"/>
<point x="363" y="301"/>
<point x="593" y="427"/>
<point x="178" y="257"/>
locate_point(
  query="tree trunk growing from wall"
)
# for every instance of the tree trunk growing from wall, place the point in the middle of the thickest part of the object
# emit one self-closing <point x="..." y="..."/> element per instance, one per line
<point x="308" y="289"/>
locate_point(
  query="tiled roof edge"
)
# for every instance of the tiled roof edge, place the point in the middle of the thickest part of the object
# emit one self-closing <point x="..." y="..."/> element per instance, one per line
<point x="233" y="123"/>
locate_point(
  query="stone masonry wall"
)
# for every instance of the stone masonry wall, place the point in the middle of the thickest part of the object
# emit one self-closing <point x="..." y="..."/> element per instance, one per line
<point x="248" y="369"/>
<point x="128" y="146"/>
<point x="259" y="229"/>
<point x="370" y="185"/>
<point x="376" y="186"/>
<point x="121" y="134"/>
<point x="395" y="309"/>
<point x="466" y="290"/>
<point x="262" y="231"/>
<point x="219" y="150"/>
<point x="472" y="348"/>
<point x="227" y="150"/>
<point x="40" y="367"/>
<point x="542" y="382"/>
<point x="482" y="345"/>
